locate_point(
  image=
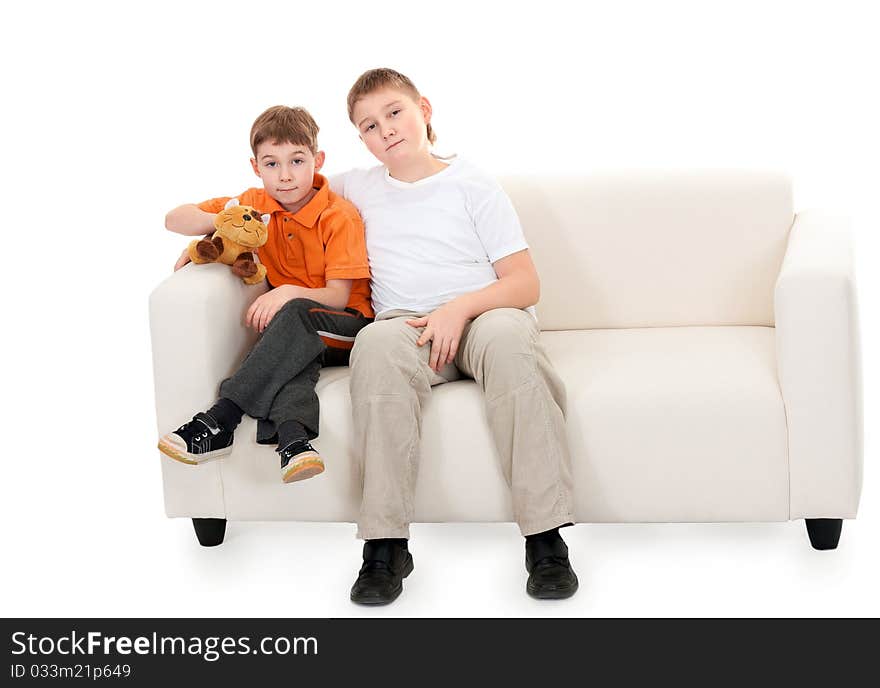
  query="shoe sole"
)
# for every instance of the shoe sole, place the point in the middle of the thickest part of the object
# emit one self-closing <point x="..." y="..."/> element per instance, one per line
<point x="552" y="593"/>
<point x="378" y="601"/>
<point x="305" y="468"/>
<point x="174" y="451"/>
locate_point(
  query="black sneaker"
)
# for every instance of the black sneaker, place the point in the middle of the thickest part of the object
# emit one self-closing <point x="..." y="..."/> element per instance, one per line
<point x="199" y="440"/>
<point x="299" y="461"/>
<point x="380" y="580"/>
<point x="550" y="574"/>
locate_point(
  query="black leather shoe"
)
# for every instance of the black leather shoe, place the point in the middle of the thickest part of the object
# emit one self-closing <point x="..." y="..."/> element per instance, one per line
<point x="550" y="574"/>
<point x="380" y="580"/>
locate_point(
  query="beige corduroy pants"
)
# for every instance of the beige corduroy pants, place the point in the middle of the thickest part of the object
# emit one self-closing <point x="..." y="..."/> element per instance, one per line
<point x="525" y="405"/>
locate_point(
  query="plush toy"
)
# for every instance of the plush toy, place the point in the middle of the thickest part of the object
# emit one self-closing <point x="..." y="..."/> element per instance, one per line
<point x="239" y="230"/>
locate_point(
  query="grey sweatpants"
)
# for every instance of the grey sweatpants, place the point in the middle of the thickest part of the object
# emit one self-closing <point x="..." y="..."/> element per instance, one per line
<point x="525" y="405"/>
<point x="276" y="381"/>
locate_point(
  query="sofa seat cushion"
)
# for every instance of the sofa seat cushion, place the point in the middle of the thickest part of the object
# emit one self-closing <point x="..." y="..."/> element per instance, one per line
<point x="674" y="424"/>
<point x="665" y="424"/>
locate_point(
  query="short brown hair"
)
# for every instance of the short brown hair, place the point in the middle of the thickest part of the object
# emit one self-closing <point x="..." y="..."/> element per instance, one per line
<point x="282" y="124"/>
<point x="374" y="79"/>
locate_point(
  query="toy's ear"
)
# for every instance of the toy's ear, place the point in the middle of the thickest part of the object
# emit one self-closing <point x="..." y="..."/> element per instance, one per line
<point x="231" y="203"/>
<point x="265" y="218"/>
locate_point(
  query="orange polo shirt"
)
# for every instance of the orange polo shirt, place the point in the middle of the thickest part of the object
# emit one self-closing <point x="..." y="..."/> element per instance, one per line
<point x="323" y="240"/>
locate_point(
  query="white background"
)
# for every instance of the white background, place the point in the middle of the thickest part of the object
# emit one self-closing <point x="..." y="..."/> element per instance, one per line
<point x="114" y="113"/>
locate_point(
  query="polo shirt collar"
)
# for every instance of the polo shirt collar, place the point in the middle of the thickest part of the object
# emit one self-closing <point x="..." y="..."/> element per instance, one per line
<point x="269" y="204"/>
<point x="308" y="215"/>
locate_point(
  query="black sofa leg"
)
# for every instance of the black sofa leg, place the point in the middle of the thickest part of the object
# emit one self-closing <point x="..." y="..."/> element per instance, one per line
<point x="210" y="531"/>
<point x="824" y="532"/>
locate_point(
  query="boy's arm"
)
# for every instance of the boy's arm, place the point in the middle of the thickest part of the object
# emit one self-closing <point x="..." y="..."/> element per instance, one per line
<point x="190" y="220"/>
<point x="345" y="256"/>
<point x="498" y="227"/>
<point x="335" y="295"/>
<point x="518" y="286"/>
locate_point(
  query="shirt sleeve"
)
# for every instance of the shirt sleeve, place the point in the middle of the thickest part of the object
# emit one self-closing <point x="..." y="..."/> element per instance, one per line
<point x="497" y="225"/>
<point x="345" y="246"/>
<point x="213" y="205"/>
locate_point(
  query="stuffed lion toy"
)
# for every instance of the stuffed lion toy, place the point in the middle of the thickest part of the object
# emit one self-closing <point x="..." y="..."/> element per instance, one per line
<point x="239" y="229"/>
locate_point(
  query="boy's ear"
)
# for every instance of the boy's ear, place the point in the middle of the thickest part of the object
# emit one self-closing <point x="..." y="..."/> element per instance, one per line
<point x="256" y="169"/>
<point x="426" y="108"/>
<point x="319" y="160"/>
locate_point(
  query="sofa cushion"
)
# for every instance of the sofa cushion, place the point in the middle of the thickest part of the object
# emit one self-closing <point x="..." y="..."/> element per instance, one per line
<point x="665" y="424"/>
<point x="675" y="424"/>
<point x="655" y="249"/>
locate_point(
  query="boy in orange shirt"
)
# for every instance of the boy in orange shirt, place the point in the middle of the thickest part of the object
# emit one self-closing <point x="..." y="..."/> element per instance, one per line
<point x="318" y="299"/>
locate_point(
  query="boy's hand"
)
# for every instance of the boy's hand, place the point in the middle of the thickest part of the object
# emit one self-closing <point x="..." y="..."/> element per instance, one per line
<point x="443" y="329"/>
<point x="264" y="308"/>
<point x="183" y="260"/>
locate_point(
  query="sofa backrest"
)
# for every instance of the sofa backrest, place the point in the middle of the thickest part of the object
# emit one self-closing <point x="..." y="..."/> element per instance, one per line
<point x="655" y="248"/>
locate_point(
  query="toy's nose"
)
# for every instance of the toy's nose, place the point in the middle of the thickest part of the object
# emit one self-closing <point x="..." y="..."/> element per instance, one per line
<point x="247" y="218"/>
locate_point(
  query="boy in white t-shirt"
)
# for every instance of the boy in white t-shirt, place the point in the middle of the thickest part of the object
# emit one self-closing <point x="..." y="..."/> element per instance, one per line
<point x="449" y="266"/>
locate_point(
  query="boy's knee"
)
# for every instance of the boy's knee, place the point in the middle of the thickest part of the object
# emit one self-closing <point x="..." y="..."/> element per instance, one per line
<point x="380" y="337"/>
<point x="507" y="331"/>
<point x="291" y="313"/>
<point x="382" y="350"/>
<point x="297" y="306"/>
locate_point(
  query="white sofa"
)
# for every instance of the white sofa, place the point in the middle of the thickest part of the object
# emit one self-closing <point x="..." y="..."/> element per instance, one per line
<point x="707" y="335"/>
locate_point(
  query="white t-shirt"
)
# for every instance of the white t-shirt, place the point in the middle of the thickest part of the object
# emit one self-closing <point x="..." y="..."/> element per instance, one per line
<point x="432" y="240"/>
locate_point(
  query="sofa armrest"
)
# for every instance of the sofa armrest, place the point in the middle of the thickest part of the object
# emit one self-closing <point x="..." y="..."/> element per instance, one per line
<point x="199" y="338"/>
<point x="818" y="351"/>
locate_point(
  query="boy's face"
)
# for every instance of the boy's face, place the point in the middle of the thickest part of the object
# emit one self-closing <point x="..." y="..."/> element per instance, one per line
<point x="392" y="124"/>
<point x="287" y="170"/>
